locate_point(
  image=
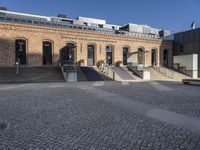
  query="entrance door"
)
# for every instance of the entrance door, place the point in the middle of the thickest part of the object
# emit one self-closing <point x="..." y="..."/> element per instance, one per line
<point x="109" y="51"/>
<point x="165" y="58"/>
<point x="67" y="54"/>
<point x="20" y="51"/>
<point x="125" y="55"/>
<point x="153" y="57"/>
<point x="91" y="59"/>
<point x="47" y="53"/>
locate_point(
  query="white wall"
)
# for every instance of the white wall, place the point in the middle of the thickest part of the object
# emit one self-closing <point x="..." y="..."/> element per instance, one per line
<point x="189" y="61"/>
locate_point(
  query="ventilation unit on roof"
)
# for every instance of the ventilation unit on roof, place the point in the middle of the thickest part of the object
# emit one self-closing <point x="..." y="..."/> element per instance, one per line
<point x="62" y="16"/>
<point x="3" y="8"/>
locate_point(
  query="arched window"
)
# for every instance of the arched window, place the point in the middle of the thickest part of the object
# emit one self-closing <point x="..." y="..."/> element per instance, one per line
<point x="125" y="55"/>
<point x="67" y="54"/>
<point x="141" y="55"/>
<point x="91" y="55"/>
<point x="154" y="57"/>
<point x="109" y="55"/>
<point x="47" y="53"/>
<point x="20" y="51"/>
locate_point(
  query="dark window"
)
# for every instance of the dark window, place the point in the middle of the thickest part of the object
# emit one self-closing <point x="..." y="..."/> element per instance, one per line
<point x="2" y="18"/>
<point x="109" y="55"/>
<point x="22" y="20"/>
<point x="67" y="54"/>
<point x="91" y="53"/>
<point x="17" y="20"/>
<point x="125" y="55"/>
<point x="36" y="22"/>
<point x="48" y="24"/>
<point x="9" y="19"/>
<point x="100" y="26"/>
<point x="42" y="23"/>
<point x="20" y="51"/>
<point x="181" y="48"/>
<point x="2" y="14"/>
<point x="47" y="53"/>
<point x="29" y="21"/>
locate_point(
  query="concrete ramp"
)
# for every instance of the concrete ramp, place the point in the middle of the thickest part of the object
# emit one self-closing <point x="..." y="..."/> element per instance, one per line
<point x="123" y="74"/>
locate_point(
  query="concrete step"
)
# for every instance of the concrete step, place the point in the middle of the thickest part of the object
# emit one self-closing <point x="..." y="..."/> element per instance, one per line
<point x="172" y="73"/>
<point x="30" y="75"/>
<point x="155" y="75"/>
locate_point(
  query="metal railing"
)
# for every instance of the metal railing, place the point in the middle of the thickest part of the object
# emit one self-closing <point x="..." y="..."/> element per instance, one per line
<point x="17" y="65"/>
<point x="169" y="73"/>
<point x="67" y="25"/>
<point x="105" y="69"/>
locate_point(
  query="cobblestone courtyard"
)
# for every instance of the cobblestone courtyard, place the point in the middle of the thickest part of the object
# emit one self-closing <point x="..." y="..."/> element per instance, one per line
<point x="110" y="115"/>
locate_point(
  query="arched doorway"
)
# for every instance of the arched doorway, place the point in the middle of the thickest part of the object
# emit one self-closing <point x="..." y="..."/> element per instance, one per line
<point x="91" y="55"/>
<point x="154" y="57"/>
<point x="141" y="56"/>
<point x="67" y="54"/>
<point x="109" y="55"/>
<point x="125" y="55"/>
<point x="20" y="51"/>
<point x="165" y="58"/>
<point x="47" y="53"/>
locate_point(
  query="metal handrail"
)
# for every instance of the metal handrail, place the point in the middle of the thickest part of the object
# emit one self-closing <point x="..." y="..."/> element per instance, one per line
<point x="17" y="66"/>
<point x="166" y="71"/>
<point x="106" y="69"/>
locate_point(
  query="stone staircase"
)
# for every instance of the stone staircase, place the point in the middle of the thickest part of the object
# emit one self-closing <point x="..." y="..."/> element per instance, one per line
<point x="31" y="75"/>
<point x="162" y="73"/>
<point x="155" y="75"/>
<point x="171" y="73"/>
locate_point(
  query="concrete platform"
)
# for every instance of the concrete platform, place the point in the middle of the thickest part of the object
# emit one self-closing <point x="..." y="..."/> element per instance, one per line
<point x="191" y="81"/>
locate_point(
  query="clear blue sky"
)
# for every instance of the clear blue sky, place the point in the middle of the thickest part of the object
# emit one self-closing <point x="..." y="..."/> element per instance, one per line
<point x="175" y="15"/>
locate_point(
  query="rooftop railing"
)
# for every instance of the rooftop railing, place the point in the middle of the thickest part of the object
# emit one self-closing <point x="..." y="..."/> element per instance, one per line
<point x="69" y="25"/>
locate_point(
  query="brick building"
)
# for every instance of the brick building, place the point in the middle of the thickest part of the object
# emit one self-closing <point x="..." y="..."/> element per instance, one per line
<point x="39" y="40"/>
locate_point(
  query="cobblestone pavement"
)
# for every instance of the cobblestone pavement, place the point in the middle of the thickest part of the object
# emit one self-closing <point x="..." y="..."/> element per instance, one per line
<point x="167" y="95"/>
<point x="69" y="116"/>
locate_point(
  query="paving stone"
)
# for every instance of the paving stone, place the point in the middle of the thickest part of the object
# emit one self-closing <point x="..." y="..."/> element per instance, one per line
<point x="62" y="116"/>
